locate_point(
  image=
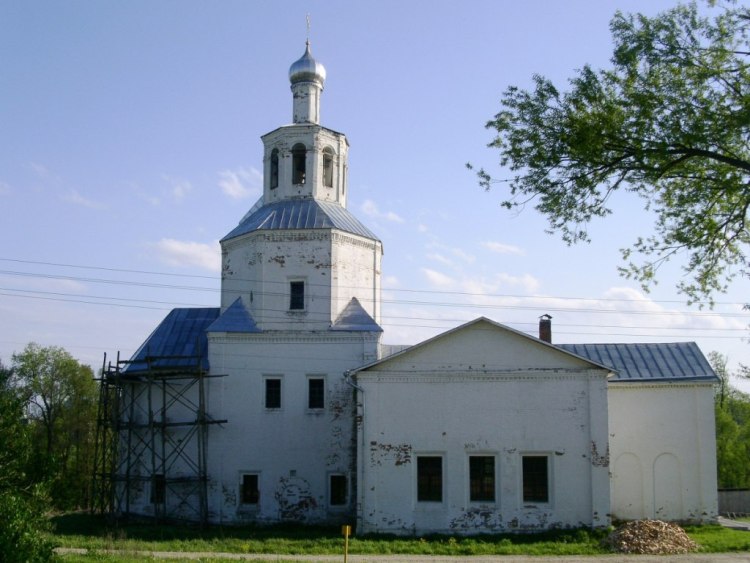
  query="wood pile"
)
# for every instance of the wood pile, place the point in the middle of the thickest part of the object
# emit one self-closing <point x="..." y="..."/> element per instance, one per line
<point x="652" y="537"/>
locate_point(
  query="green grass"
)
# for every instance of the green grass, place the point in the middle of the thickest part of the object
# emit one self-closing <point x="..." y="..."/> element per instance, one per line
<point x="85" y="531"/>
<point x="717" y="539"/>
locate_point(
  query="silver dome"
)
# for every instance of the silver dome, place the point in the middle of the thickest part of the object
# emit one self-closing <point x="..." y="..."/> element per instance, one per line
<point x="307" y="69"/>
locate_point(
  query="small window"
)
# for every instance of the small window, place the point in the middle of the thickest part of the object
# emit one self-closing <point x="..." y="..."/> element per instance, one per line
<point x="316" y="387"/>
<point x="299" y="163"/>
<point x="328" y="168"/>
<point x="338" y="490"/>
<point x="535" y="478"/>
<point x="482" y="478"/>
<point x="297" y="295"/>
<point x="274" y="168"/>
<point x="430" y="479"/>
<point x="273" y="393"/>
<point x="158" y="489"/>
<point x="250" y="492"/>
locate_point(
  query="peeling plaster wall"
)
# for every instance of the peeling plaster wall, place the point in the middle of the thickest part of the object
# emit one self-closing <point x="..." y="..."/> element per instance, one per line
<point x="423" y="404"/>
<point x="663" y="451"/>
<point x="335" y="267"/>
<point x="293" y="449"/>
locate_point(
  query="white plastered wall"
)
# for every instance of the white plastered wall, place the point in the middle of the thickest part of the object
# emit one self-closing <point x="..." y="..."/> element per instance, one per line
<point x="663" y="451"/>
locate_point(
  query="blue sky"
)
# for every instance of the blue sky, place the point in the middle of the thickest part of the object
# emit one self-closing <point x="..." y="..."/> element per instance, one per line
<point x="129" y="145"/>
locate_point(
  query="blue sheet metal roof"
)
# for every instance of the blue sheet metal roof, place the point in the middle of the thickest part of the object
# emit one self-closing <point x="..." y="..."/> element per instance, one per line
<point x="300" y="214"/>
<point x="236" y="318"/>
<point x="355" y="318"/>
<point x="674" y="361"/>
<point x="178" y="341"/>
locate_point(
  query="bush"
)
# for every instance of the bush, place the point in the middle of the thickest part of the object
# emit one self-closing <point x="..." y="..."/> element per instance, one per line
<point x="22" y="529"/>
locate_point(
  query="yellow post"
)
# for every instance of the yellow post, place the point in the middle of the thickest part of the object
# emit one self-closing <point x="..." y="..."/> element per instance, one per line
<point x="346" y="530"/>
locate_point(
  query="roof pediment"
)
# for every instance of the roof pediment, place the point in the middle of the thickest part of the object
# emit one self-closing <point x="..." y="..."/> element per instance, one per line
<point x="483" y="345"/>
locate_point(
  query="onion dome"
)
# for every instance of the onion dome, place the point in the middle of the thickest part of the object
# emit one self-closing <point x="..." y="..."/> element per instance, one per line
<point x="307" y="69"/>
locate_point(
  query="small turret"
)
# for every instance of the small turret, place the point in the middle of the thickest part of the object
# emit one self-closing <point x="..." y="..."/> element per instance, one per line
<point x="307" y="77"/>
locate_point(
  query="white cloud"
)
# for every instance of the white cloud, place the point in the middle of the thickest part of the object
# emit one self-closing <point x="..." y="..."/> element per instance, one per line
<point x="390" y="282"/>
<point x="178" y="188"/>
<point x="422" y="228"/>
<point x="501" y="248"/>
<point x="76" y="198"/>
<point x="241" y="183"/>
<point x="370" y="208"/>
<point x="438" y="279"/>
<point x="41" y="171"/>
<point x="435" y="257"/>
<point x="189" y="253"/>
<point x="4" y="188"/>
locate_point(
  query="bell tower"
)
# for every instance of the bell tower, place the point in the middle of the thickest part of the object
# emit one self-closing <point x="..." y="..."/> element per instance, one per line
<point x="299" y="260"/>
<point x="304" y="159"/>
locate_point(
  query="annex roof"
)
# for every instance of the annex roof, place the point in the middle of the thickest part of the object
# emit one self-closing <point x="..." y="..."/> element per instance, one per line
<point x="674" y="361"/>
<point x="179" y="341"/>
<point x="300" y="214"/>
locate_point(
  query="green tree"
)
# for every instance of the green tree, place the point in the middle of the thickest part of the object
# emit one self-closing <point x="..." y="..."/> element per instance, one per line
<point x="22" y="520"/>
<point x="669" y="121"/>
<point x="732" y="429"/>
<point x="61" y="397"/>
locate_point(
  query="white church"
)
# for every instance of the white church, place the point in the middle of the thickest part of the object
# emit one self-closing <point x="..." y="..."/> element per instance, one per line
<point x="283" y="404"/>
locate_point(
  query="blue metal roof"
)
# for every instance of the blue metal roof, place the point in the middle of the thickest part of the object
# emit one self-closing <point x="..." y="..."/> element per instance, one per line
<point x="178" y="341"/>
<point x="300" y="214"/>
<point x="355" y="318"/>
<point x="674" y="361"/>
<point x="236" y="318"/>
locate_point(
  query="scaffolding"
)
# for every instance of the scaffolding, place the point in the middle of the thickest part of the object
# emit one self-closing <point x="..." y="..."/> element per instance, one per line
<point x="152" y="435"/>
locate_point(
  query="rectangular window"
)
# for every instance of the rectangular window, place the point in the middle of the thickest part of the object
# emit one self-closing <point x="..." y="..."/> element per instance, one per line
<point x="535" y="478"/>
<point x="158" y="489"/>
<point x="482" y="478"/>
<point x="338" y="490"/>
<point x="273" y="393"/>
<point x="250" y="492"/>
<point x="429" y="479"/>
<point x="316" y="393"/>
<point x="297" y="295"/>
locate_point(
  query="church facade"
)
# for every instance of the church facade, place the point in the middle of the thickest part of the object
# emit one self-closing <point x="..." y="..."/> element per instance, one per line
<point x="293" y="410"/>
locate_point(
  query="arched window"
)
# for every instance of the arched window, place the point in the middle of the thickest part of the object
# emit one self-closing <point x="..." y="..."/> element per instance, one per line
<point x="274" y="168"/>
<point x="328" y="168"/>
<point x="299" y="164"/>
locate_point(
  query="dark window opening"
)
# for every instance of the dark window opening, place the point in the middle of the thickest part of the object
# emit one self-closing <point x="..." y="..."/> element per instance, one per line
<point x="299" y="163"/>
<point x="535" y="479"/>
<point x="327" y="169"/>
<point x="297" y="295"/>
<point x="339" y="490"/>
<point x="274" y="168"/>
<point x="482" y="478"/>
<point x="273" y="393"/>
<point x="158" y="489"/>
<point x="250" y="492"/>
<point x="316" y="393"/>
<point x="430" y="479"/>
